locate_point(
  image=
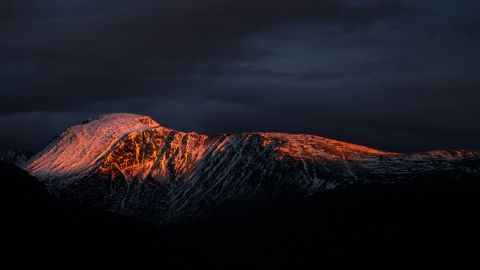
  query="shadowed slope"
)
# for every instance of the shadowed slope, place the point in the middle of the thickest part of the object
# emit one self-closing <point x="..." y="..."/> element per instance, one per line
<point x="428" y="220"/>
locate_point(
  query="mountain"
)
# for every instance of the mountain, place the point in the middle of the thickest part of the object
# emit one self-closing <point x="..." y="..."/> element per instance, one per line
<point x="18" y="158"/>
<point x="132" y="165"/>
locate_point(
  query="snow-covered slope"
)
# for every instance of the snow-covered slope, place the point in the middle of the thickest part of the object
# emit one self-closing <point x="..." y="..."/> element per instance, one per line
<point x="130" y="164"/>
<point x="80" y="149"/>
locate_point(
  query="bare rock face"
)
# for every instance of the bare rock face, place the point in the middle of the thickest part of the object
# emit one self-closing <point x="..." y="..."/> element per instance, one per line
<point x="132" y="165"/>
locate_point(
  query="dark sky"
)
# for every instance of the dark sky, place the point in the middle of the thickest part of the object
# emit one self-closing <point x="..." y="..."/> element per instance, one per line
<point x="396" y="75"/>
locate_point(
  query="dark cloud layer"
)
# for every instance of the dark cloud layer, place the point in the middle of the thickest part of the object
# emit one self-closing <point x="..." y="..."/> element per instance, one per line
<point x="399" y="75"/>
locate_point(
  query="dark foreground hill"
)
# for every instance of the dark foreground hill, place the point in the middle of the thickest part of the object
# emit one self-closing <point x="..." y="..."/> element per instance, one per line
<point x="435" y="221"/>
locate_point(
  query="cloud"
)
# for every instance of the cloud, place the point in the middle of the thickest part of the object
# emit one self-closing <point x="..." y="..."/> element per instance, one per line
<point x="88" y="51"/>
<point x="350" y="69"/>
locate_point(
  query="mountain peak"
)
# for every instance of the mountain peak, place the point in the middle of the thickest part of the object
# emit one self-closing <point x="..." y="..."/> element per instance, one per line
<point x="79" y="148"/>
<point x="124" y="118"/>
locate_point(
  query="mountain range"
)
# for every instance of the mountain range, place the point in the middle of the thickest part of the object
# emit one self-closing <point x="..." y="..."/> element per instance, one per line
<point x="130" y="164"/>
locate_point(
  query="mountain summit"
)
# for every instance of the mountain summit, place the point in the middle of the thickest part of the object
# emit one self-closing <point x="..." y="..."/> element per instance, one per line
<point x="80" y="149"/>
<point x="130" y="164"/>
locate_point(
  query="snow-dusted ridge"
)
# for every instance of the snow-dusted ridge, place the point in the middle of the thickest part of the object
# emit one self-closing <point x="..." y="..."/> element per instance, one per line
<point x="130" y="164"/>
